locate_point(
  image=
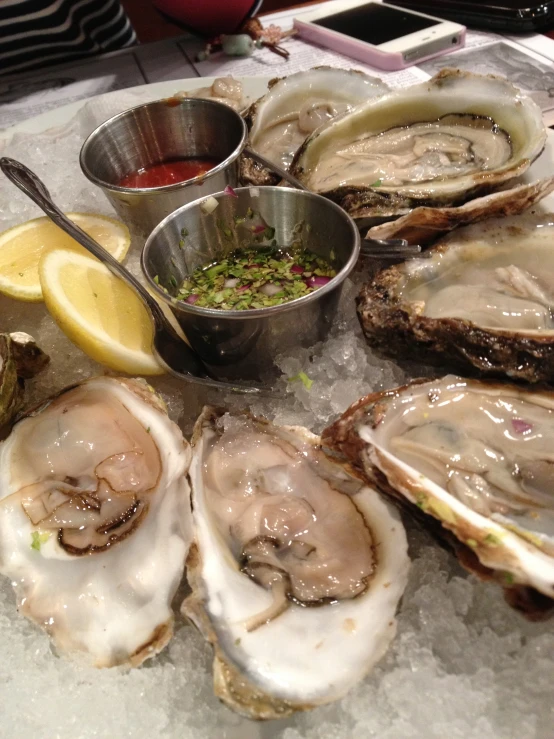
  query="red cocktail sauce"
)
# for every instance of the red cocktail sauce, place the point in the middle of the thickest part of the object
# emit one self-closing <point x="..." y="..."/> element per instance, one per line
<point x="168" y="173"/>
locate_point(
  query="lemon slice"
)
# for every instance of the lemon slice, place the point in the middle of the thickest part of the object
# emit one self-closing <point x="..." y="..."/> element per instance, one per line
<point x="21" y="248"/>
<point x="98" y="312"/>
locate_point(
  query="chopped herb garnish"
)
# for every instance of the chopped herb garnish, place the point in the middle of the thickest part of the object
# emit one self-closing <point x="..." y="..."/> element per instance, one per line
<point x="377" y="183"/>
<point x="508" y="578"/>
<point x="304" y="379"/>
<point x="172" y="281"/>
<point x="39" y="538"/>
<point x="256" y="278"/>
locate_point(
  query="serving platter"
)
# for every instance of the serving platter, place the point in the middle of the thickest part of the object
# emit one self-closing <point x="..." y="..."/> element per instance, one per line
<point x="462" y="664"/>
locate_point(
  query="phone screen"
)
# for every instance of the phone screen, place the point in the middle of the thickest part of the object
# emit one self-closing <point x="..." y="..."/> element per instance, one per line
<point x="375" y="23"/>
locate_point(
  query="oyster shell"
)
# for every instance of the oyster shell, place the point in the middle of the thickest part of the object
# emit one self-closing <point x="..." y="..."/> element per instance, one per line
<point x="294" y="107"/>
<point x="482" y="301"/>
<point x="20" y="359"/>
<point x="296" y="570"/>
<point x="441" y="142"/>
<point x="476" y="456"/>
<point x="95" y="519"/>
<point x="425" y="225"/>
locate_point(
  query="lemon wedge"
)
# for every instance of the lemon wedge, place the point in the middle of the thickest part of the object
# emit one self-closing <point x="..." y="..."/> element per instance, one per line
<point x="21" y="248"/>
<point x="98" y="312"/>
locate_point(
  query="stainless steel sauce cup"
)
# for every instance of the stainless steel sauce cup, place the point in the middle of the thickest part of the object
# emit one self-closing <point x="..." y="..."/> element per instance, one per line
<point x="243" y="344"/>
<point x="159" y="132"/>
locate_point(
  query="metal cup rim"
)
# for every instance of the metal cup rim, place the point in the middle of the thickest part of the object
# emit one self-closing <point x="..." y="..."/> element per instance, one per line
<point x="242" y="315"/>
<point x="163" y="188"/>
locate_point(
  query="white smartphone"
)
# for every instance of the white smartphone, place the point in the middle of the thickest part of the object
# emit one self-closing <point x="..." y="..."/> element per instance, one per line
<point x="380" y="34"/>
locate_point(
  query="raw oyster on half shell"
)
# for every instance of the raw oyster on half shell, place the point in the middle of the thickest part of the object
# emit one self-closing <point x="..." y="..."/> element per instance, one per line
<point x="441" y="142"/>
<point x="20" y="359"/>
<point x="95" y="519"/>
<point x="294" y="107"/>
<point x="482" y="301"/>
<point x="226" y="90"/>
<point x="296" y="570"/>
<point x="476" y="456"/>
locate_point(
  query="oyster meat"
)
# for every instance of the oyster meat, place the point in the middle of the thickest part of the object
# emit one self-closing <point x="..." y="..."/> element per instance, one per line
<point x="477" y="456"/>
<point x="441" y="142"/>
<point x="226" y="90"/>
<point x="482" y="301"/>
<point x="294" y="107"/>
<point x="95" y="519"/>
<point x="296" y="570"/>
<point x="20" y="359"/>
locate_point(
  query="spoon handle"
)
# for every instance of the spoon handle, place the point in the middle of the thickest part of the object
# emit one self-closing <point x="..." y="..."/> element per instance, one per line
<point x="283" y="174"/>
<point x="34" y="188"/>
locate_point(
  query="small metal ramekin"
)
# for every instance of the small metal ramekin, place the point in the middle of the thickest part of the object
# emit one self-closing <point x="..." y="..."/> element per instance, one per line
<point x="243" y="344"/>
<point x="159" y="132"/>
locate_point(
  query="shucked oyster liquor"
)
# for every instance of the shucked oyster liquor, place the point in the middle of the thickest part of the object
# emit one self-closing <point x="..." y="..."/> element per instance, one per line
<point x="441" y="142"/>
<point x="476" y="456"/>
<point x="483" y="300"/>
<point x="296" y="569"/>
<point x="95" y="519"/>
<point x="294" y="107"/>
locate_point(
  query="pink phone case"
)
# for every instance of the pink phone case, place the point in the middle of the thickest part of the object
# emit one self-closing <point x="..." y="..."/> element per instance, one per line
<point x="365" y="52"/>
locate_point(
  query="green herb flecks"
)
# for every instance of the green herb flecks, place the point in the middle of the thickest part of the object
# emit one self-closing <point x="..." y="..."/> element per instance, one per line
<point x="303" y="378"/>
<point x="377" y="183"/>
<point x="256" y="278"/>
<point x="38" y="538"/>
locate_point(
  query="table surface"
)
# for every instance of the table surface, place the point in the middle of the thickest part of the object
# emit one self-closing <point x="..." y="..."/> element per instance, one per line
<point x="151" y="26"/>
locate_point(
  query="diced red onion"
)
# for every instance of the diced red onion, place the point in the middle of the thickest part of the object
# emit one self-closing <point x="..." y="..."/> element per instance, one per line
<point x="251" y="266"/>
<point x="229" y="191"/>
<point x="317" y="281"/>
<point x="259" y="228"/>
<point x="231" y="282"/>
<point x="191" y="300"/>
<point x="296" y="269"/>
<point x="520" y="426"/>
<point x="242" y="288"/>
<point x="270" y="289"/>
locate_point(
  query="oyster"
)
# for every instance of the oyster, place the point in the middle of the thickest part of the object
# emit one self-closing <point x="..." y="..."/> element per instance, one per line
<point x="441" y="142"/>
<point x="20" y="359"/>
<point x="226" y="90"/>
<point x="476" y="456"/>
<point x="95" y="519"/>
<point x="294" y="107"/>
<point x="483" y="300"/>
<point x="296" y="570"/>
<point x="425" y="225"/>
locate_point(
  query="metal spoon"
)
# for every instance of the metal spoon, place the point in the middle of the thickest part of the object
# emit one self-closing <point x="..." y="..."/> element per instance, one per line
<point x="282" y="173"/>
<point x="173" y="353"/>
<point x="390" y="249"/>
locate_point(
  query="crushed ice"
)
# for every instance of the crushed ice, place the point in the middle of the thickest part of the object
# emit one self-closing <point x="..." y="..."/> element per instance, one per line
<point x="463" y="664"/>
